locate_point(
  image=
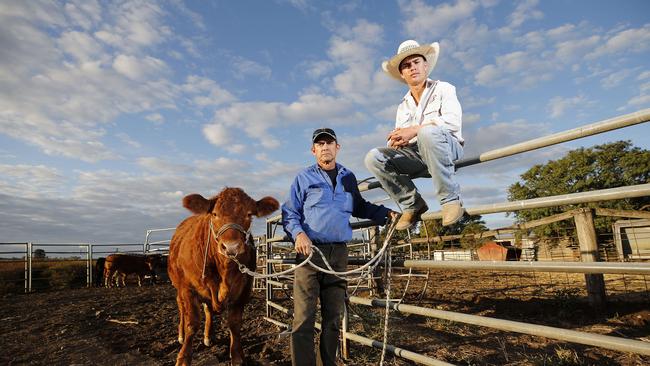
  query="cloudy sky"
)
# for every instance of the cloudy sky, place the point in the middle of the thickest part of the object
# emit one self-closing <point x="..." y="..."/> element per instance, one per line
<point x="112" y="111"/>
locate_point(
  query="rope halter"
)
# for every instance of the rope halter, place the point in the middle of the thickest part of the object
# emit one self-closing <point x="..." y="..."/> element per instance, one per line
<point x="217" y="235"/>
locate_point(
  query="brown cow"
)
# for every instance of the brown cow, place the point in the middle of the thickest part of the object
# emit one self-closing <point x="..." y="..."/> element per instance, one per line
<point x="121" y="265"/>
<point x="202" y="269"/>
<point x="98" y="275"/>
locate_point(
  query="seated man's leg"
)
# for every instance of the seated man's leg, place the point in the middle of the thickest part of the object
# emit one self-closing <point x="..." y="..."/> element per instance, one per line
<point x="438" y="149"/>
<point x="393" y="169"/>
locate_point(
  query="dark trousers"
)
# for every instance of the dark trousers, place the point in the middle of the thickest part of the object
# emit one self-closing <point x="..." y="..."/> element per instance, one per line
<point x="309" y="286"/>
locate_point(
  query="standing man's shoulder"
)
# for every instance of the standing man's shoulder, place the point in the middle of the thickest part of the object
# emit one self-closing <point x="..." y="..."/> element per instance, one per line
<point x="345" y="172"/>
<point x="348" y="179"/>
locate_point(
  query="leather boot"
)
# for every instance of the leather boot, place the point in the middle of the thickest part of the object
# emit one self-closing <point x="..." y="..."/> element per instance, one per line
<point x="411" y="216"/>
<point x="452" y="212"/>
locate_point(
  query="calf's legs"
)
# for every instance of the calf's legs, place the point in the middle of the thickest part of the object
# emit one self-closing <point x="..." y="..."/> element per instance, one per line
<point x="191" y="323"/>
<point x="234" y="325"/>
<point x="181" y="319"/>
<point x="207" y="330"/>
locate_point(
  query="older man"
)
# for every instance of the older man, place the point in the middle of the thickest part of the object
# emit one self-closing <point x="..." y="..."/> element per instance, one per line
<point x="321" y="200"/>
<point x="427" y="137"/>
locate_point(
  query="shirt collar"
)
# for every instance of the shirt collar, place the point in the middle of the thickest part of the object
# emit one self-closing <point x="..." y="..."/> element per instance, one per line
<point x="339" y="168"/>
<point x="408" y="97"/>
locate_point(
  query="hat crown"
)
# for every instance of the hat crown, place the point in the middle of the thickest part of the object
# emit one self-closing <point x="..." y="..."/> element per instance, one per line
<point x="407" y="45"/>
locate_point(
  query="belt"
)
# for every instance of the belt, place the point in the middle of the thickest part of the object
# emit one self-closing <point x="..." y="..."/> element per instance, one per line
<point x="331" y="243"/>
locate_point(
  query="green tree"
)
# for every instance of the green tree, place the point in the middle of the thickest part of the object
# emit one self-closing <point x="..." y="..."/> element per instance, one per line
<point x="604" y="166"/>
<point x="39" y="254"/>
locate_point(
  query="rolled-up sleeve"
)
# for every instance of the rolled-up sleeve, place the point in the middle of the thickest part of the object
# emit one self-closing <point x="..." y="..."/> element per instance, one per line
<point x="292" y="211"/>
<point x="362" y="208"/>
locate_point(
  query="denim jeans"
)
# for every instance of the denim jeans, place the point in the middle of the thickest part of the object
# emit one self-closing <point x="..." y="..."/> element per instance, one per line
<point x="310" y="286"/>
<point x="434" y="152"/>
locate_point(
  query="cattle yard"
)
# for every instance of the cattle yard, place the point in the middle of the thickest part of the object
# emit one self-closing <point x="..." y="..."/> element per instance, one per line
<point x="588" y="306"/>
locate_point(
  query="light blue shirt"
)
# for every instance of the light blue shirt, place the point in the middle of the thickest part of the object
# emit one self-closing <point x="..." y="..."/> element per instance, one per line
<point x="323" y="212"/>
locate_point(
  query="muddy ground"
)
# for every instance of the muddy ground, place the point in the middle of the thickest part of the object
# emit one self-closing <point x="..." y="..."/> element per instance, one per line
<point x="137" y="325"/>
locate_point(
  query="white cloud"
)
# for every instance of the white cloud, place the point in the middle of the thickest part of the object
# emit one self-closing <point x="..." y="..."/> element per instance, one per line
<point x="244" y="68"/>
<point x="24" y="180"/>
<point x="644" y="75"/>
<point x="570" y="50"/>
<point x="84" y="14"/>
<point x="626" y="41"/>
<point x="557" y="106"/>
<point x="421" y="18"/>
<point x="217" y="134"/>
<point x="138" y="69"/>
<point x="616" y="78"/>
<point x="157" y="118"/>
<point x="501" y="134"/>
<point x="61" y="86"/>
<point x="159" y="165"/>
<point x="138" y="24"/>
<point x="518" y="69"/>
<point x="470" y="118"/>
<point x="81" y="46"/>
<point x="524" y="11"/>
<point x="128" y="140"/>
<point x="206" y="91"/>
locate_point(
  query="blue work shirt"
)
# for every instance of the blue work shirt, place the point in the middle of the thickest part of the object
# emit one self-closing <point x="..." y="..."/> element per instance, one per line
<point x="322" y="211"/>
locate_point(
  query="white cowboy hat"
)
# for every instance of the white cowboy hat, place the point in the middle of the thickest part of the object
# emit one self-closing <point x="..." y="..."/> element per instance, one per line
<point x="409" y="48"/>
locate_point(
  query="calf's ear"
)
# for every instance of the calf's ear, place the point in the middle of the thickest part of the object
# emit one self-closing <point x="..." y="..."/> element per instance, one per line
<point x="197" y="204"/>
<point x="266" y="205"/>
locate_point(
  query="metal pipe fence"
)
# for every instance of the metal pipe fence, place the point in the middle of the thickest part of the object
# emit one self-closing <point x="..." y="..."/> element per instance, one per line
<point x="609" y="342"/>
<point x="43" y="266"/>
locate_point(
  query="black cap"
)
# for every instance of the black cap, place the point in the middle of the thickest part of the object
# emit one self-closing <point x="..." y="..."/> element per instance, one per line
<point x="323" y="131"/>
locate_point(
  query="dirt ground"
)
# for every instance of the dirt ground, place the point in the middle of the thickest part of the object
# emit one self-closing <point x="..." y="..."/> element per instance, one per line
<point x="137" y="325"/>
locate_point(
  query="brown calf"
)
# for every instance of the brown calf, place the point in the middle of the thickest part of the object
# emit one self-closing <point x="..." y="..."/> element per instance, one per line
<point x="202" y="269"/>
<point x="121" y="265"/>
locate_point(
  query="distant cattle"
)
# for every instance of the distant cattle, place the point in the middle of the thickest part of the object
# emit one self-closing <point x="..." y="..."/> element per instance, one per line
<point x="118" y="266"/>
<point x="98" y="275"/>
<point x="202" y="269"/>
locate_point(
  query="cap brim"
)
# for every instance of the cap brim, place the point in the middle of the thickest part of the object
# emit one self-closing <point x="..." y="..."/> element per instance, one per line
<point x="430" y="52"/>
<point x="315" y="138"/>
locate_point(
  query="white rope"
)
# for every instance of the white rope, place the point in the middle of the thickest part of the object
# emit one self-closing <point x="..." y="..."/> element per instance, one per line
<point x="364" y="270"/>
<point x="389" y="271"/>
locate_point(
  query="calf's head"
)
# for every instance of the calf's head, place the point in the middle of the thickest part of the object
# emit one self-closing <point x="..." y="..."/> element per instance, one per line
<point x="231" y="213"/>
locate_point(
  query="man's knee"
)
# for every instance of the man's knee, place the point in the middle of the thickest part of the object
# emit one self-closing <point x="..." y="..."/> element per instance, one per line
<point x="431" y="132"/>
<point x="374" y="160"/>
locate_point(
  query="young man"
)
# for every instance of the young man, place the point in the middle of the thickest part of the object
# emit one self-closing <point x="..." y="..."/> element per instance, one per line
<point x="427" y="137"/>
<point x="321" y="200"/>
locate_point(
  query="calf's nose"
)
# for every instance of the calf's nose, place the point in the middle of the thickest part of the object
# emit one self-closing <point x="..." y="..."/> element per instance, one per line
<point x="231" y="247"/>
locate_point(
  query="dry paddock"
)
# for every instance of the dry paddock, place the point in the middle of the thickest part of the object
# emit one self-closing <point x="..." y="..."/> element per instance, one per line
<point x="137" y="326"/>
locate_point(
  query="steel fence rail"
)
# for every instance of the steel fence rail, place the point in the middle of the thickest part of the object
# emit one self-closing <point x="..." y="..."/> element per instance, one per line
<point x="630" y="268"/>
<point x="537" y="266"/>
<point x="412" y="356"/>
<point x="639" y="190"/>
<point x="597" y="340"/>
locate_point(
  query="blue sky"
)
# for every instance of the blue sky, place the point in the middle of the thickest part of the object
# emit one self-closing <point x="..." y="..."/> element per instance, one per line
<point x="111" y="112"/>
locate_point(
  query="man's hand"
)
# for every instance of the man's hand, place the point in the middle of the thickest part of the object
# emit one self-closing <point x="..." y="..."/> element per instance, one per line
<point x="392" y="216"/>
<point x="303" y="244"/>
<point x="400" y="137"/>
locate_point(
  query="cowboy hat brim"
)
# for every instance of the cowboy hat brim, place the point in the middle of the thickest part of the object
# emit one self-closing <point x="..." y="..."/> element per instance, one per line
<point x="429" y="51"/>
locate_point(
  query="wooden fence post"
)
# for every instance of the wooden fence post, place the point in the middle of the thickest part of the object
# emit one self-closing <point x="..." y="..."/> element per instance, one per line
<point x="589" y="253"/>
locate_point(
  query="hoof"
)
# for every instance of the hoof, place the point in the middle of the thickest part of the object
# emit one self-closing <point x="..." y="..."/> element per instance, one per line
<point x="206" y="342"/>
<point x="180" y="340"/>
